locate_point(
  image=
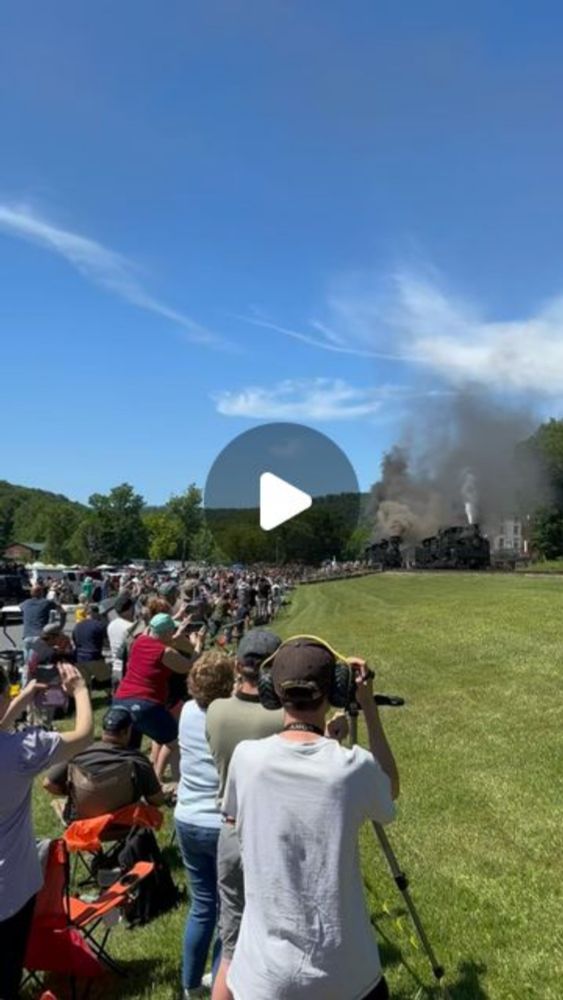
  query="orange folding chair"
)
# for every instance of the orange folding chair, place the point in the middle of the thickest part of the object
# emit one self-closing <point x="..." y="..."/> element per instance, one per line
<point x="62" y="938"/>
<point x="92" y="837"/>
<point x="86" y="915"/>
<point x="54" y="945"/>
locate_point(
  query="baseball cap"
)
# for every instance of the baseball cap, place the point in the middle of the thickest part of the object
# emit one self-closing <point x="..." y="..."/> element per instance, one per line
<point x="162" y="623"/>
<point x="167" y="589"/>
<point x="258" y="644"/>
<point x="116" y="720"/>
<point x="302" y="672"/>
<point x="123" y="602"/>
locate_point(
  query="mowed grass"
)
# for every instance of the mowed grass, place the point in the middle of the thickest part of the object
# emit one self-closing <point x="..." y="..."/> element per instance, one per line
<point x="479" y="660"/>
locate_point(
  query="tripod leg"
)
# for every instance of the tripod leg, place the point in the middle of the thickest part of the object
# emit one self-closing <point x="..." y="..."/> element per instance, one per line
<point x="402" y="884"/>
<point x="399" y="876"/>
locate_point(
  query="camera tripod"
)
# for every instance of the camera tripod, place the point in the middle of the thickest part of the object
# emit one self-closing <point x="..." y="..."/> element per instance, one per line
<point x="399" y="876"/>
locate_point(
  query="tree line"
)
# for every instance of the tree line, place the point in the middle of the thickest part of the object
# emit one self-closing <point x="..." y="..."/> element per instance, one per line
<point x="113" y="527"/>
<point x="119" y="526"/>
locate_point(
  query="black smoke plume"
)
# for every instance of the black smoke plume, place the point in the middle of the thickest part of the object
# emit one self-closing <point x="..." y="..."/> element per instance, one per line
<point x="460" y="460"/>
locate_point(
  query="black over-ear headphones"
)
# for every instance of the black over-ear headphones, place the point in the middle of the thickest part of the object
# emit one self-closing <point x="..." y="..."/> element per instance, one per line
<point x="341" y="686"/>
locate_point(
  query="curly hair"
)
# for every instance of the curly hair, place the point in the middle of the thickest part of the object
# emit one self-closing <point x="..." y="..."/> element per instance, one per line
<point x="156" y="606"/>
<point x="212" y="676"/>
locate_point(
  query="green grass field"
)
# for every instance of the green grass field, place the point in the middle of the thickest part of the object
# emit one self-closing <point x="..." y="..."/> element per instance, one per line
<point x="479" y="660"/>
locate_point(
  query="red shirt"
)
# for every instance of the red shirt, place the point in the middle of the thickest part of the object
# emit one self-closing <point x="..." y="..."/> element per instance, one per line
<point x="147" y="677"/>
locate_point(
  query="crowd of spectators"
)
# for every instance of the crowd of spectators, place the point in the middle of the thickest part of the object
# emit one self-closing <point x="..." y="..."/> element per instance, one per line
<point x="268" y="803"/>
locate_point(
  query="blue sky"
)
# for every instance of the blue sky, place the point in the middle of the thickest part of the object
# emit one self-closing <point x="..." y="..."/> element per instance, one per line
<point x="218" y="213"/>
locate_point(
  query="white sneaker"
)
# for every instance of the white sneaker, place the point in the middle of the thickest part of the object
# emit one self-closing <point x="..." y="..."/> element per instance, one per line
<point x="207" y="980"/>
<point x="196" y="992"/>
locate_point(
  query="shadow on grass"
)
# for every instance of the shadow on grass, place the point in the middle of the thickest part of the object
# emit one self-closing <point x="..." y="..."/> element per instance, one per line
<point x="171" y="855"/>
<point x="134" y="983"/>
<point x="467" y="985"/>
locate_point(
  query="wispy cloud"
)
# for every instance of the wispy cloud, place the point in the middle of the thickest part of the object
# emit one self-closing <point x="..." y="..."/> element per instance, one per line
<point x="98" y="264"/>
<point x="415" y="321"/>
<point x="327" y="339"/>
<point x="317" y="399"/>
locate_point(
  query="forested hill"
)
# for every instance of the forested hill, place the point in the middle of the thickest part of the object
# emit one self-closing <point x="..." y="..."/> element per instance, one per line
<point x="32" y="515"/>
<point x="120" y="526"/>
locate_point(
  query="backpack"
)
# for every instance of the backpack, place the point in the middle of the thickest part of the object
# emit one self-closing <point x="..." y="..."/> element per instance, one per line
<point x="157" y="893"/>
<point x="108" y="790"/>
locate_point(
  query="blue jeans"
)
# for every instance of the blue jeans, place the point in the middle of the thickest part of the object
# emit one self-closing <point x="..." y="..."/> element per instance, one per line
<point x="27" y="647"/>
<point x="198" y="846"/>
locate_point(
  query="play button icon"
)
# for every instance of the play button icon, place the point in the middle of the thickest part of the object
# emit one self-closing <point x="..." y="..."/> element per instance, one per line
<point x="281" y="493"/>
<point x="280" y="501"/>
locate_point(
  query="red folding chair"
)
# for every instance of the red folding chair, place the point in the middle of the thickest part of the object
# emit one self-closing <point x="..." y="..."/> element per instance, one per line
<point x="62" y="938"/>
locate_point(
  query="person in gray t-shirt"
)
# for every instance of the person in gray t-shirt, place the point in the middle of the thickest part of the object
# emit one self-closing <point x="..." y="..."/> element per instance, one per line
<point x="298" y="800"/>
<point x="23" y="755"/>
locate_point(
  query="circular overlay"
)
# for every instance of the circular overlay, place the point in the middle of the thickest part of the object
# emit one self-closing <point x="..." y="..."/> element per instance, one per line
<point x="302" y="459"/>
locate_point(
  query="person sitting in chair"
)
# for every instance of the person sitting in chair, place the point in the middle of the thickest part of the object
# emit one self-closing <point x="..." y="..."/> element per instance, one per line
<point x="108" y="775"/>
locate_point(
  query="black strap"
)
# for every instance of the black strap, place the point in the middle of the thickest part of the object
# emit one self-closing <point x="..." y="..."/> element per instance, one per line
<point x="303" y="727"/>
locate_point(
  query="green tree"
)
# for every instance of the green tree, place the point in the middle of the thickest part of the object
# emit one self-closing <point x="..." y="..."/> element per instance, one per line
<point x="545" y="447"/>
<point x="186" y="508"/>
<point x="547" y="532"/>
<point x="204" y="547"/>
<point x="62" y="520"/>
<point x="118" y="528"/>
<point x="164" y="533"/>
<point x="87" y="545"/>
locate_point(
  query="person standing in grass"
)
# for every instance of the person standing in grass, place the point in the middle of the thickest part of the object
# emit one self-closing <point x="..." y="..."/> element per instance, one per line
<point x="23" y="755"/>
<point x="229" y="721"/>
<point x="145" y="688"/>
<point x="298" y="800"/>
<point x="197" y="816"/>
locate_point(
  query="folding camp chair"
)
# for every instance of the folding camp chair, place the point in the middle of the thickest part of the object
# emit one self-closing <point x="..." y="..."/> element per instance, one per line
<point x="54" y="945"/>
<point x="92" y="840"/>
<point x="86" y="915"/>
<point x="63" y="932"/>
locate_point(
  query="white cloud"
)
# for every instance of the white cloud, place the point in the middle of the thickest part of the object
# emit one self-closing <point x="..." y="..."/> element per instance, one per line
<point x="311" y="399"/>
<point x="98" y="264"/>
<point x="300" y="399"/>
<point x="412" y="320"/>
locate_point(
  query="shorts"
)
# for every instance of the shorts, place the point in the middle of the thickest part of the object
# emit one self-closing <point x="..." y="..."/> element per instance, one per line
<point x="150" y="719"/>
<point x="230" y="883"/>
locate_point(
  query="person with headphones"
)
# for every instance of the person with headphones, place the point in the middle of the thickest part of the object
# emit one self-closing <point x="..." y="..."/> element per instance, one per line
<point x="298" y="800"/>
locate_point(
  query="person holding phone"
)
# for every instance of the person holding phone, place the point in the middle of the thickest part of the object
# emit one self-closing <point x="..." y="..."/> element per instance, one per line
<point x="23" y="755"/>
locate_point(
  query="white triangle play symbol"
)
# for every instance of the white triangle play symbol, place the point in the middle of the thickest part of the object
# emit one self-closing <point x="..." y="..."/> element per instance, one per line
<point x="280" y="501"/>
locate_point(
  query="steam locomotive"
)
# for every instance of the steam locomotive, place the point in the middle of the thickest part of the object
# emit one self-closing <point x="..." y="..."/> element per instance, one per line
<point x="455" y="547"/>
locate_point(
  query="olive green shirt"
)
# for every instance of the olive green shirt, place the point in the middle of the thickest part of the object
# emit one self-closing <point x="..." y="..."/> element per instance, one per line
<point x="231" y="720"/>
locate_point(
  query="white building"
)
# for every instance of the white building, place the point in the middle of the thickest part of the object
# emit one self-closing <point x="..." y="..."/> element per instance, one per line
<point x="508" y="535"/>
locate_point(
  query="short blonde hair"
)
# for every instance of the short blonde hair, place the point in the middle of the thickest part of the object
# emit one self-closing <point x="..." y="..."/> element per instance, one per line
<point x="212" y="676"/>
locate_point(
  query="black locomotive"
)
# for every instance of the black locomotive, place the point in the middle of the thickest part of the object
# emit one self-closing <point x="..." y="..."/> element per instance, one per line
<point x="387" y="553"/>
<point x="455" y="547"/>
